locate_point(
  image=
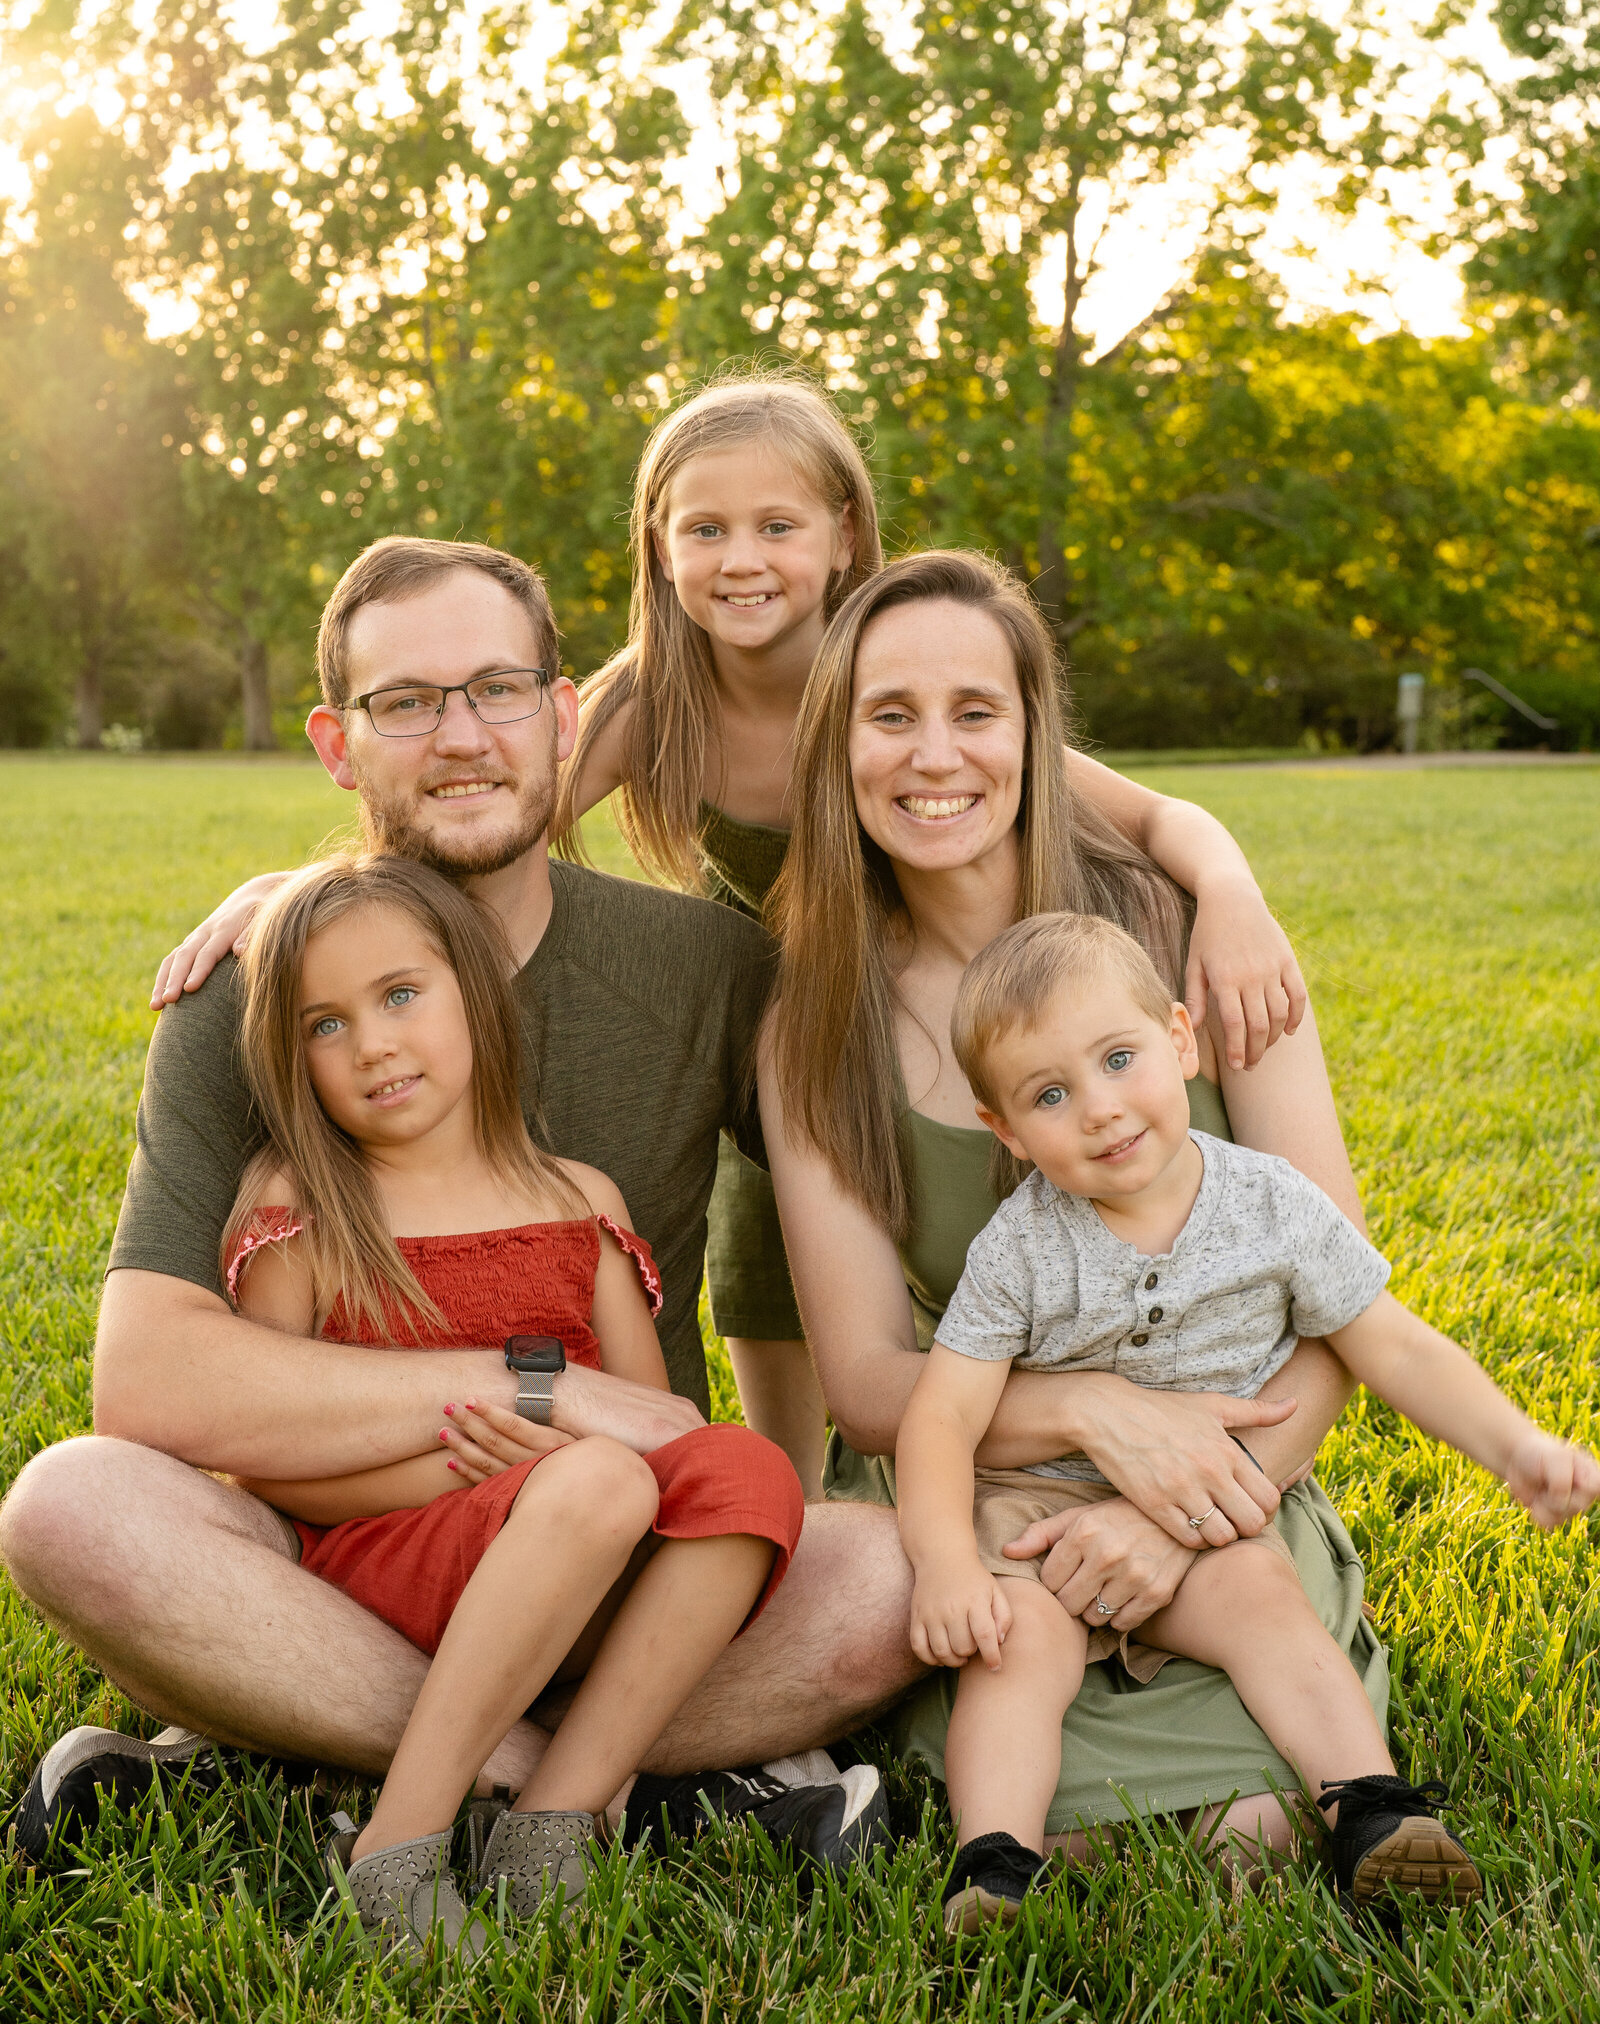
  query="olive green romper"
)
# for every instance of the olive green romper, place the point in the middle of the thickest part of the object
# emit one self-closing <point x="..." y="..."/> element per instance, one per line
<point x="1184" y="1739"/>
<point x="746" y="1268"/>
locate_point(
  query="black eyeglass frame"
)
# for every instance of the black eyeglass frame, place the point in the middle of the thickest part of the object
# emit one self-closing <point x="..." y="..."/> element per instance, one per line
<point x="444" y="691"/>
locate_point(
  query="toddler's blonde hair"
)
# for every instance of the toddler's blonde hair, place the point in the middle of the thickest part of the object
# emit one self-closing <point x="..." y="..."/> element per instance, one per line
<point x="1009" y="983"/>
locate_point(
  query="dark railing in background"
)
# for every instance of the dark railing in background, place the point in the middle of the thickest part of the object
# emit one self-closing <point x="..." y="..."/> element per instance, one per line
<point x="1499" y="689"/>
<point x="1413" y="688"/>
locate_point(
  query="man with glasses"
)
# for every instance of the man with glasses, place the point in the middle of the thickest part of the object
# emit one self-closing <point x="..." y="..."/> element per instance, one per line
<point x="444" y="712"/>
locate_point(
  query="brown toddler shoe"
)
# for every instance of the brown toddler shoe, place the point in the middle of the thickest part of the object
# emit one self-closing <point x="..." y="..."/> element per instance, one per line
<point x="1389" y="1837"/>
<point x="992" y="1875"/>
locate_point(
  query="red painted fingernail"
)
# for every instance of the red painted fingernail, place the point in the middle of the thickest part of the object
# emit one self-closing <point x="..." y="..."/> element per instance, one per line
<point x="472" y="1405"/>
<point x="449" y="1412"/>
<point x="451" y="1465"/>
<point x="443" y="1435"/>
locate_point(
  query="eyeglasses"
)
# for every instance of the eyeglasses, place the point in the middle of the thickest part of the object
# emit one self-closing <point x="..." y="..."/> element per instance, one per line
<point x="412" y="709"/>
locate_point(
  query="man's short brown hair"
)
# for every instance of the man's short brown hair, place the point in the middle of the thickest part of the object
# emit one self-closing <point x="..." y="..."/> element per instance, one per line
<point x="399" y="567"/>
<point x="1009" y="983"/>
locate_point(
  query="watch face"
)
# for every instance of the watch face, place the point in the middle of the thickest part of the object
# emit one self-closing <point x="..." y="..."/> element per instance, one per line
<point x="536" y="1353"/>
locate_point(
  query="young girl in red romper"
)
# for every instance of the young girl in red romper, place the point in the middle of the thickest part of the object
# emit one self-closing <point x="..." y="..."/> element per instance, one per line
<point x="400" y="1201"/>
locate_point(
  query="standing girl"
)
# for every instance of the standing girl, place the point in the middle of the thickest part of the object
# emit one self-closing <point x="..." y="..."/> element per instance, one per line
<point x="400" y="1199"/>
<point x="753" y="519"/>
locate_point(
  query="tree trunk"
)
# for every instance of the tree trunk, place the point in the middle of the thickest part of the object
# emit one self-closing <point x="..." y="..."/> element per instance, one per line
<point x="1051" y="588"/>
<point x="86" y="700"/>
<point x="1054" y="588"/>
<point x="255" y="695"/>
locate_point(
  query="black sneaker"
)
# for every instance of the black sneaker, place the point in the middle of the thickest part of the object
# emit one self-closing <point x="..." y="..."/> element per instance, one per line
<point x="991" y="1877"/>
<point x="1389" y="1837"/>
<point x="62" y="1803"/>
<point x="834" y="1824"/>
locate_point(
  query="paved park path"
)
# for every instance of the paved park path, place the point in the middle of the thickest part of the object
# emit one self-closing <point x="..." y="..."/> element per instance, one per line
<point x="1403" y="762"/>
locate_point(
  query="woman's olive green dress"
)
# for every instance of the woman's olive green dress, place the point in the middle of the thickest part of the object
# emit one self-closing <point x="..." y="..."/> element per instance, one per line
<point x="1184" y="1740"/>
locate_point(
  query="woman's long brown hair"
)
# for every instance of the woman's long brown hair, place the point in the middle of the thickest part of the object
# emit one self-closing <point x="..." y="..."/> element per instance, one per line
<point x="665" y="671"/>
<point x="836" y="899"/>
<point x="346" y="1238"/>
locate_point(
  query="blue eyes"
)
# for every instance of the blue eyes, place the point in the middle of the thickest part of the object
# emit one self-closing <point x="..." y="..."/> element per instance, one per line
<point x="1053" y="1095"/>
<point x="711" y="530"/>
<point x="394" y="998"/>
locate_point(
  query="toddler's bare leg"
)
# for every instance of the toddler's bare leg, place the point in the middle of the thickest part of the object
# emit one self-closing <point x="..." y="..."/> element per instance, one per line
<point x="1242" y="1610"/>
<point x="1002" y="1757"/>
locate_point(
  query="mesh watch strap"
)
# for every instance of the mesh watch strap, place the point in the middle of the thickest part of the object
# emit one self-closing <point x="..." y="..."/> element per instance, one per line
<point x="536" y="1390"/>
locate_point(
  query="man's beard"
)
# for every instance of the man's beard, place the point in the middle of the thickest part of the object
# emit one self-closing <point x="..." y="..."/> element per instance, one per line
<point x="388" y="827"/>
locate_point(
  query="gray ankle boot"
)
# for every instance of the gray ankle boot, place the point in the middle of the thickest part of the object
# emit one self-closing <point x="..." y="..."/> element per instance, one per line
<point x="534" y="1852"/>
<point x="404" y="1894"/>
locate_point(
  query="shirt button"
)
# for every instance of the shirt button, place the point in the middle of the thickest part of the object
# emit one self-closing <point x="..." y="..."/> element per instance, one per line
<point x="1151" y="1280"/>
<point x="1139" y="1341"/>
<point x="1156" y="1313"/>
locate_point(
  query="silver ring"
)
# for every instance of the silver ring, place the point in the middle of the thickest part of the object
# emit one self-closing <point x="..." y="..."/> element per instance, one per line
<point x="1196" y="1523"/>
<point x="1103" y="1606"/>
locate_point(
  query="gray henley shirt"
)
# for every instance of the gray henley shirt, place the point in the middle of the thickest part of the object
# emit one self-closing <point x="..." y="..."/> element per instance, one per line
<point x="1264" y="1258"/>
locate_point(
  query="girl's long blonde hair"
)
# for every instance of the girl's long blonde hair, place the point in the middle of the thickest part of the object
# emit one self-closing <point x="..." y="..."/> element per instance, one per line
<point x="346" y="1238"/>
<point x="665" y="671"/>
<point x="836" y="899"/>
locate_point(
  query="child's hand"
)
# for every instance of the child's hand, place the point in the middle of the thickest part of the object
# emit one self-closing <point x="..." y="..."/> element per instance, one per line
<point x="956" y="1612"/>
<point x="1554" y="1479"/>
<point x="227" y="927"/>
<point x="485" y="1441"/>
<point x="1241" y="960"/>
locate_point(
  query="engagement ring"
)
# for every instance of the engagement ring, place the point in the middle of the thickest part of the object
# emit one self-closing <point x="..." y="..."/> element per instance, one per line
<point x="1103" y="1606"/>
<point x="1196" y="1523"/>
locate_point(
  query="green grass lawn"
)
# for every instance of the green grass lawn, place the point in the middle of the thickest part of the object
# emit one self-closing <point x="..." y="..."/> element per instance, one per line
<point x="1450" y="926"/>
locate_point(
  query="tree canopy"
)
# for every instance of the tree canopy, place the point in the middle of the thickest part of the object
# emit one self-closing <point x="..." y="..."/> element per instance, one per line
<point x="264" y="299"/>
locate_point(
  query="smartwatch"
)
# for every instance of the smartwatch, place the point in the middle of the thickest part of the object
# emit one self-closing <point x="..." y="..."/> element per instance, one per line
<point x="538" y="1361"/>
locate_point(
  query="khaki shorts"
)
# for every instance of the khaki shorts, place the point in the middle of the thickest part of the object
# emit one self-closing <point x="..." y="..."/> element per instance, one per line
<point x="1007" y="1501"/>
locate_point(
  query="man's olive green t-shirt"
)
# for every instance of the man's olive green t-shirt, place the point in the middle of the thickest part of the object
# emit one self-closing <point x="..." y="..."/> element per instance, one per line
<point x="639" y="1009"/>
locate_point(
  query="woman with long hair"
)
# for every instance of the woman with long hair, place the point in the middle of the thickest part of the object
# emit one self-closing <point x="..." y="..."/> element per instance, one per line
<point x="934" y="807"/>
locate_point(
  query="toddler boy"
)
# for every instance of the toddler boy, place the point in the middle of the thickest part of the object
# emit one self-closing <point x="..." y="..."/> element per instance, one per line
<point x="1187" y="1264"/>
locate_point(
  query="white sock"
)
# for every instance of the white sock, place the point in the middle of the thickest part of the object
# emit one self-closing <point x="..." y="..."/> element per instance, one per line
<point x="809" y="1767"/>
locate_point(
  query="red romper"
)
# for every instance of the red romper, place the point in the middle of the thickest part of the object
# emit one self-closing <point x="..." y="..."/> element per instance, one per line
<point x="409" y="1567"/>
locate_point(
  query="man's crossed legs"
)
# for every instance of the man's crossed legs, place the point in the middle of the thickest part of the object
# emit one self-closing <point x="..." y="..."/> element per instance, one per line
<point x="185" y="1592"/>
